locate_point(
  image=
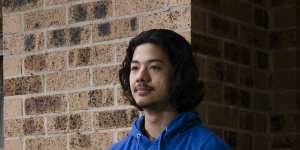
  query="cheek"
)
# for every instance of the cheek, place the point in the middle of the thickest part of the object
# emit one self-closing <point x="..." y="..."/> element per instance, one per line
<point x="130" y="80"/>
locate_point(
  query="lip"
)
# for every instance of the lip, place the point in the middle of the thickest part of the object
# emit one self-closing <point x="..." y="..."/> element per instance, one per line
<point x="143" y="91"/>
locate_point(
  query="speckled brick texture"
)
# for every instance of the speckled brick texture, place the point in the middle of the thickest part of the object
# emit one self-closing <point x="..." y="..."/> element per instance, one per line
<point x="61" y="62"/>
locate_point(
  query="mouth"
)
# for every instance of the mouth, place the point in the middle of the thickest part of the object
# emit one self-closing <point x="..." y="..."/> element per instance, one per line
<point x="143" y="91"/>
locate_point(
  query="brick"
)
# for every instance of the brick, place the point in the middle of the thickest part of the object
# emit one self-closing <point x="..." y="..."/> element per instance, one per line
<point x="231" y="95"/>
<point x="47" y="143"/>
<point x="13" y="128"/>
<point x="254" y="37"/>
<point x="262" y="60"/>
<point x="281" y="3"/>
<point x="78" y="101"/>
<point x="12" y="66"/>
<point x="199" y="23"/>
<point x="221" y="27"/>
<point x="221" y="116"/>
<point x="122" y="100"/>
<point x="237" y="54"/>
<point x="241" y="10"/>
<point x="289" y="104"/>
<point x="179" y="2"/>
<point x="245" y="99"/>
<point x="57" y="124"/>
<point x="215" y="70"/>
<point x="102" y="54"/>
<point x="231" y="73"/>
<point x="114" y="119"/>
<point x="94" y="141"/>
<point x="90" y="99"/>
<point x="175" y="18"/>
<point x="261" y="18"/>
<point x="283" y="39"/>
<point x="214" y="92"/>
<point x="230" y="138"/>
<point x="284" y="80"/>
<point x="21" y="5"/>
<point x="136" y="6"/>
<point x="122" y="134"/>
<point x="13" y="44"/>
<point x="80" y="121"/>
<point x="35" y="62"/>
<point x="57" y="2"/>
<point x="12" y="108"/>
<point x="67" y="80"/>
<point x="90" y="11"/>
<point x="284" y="59"/>
<point x="20" y="127"/>
<point x="12" y="24"/>
<point x="23" y="85"/>
<point x="121" y="51"/>
<point x="34" y="42"/>
<point x="45" y="104"/>
<point x="115" y="29"/>
<point x="201" y="65"/>
<point x="246" y="77"/>
<point x="261" y="122"/>
<point x="261" y="80"/>
<point x="297" y="60"/>
<point x="106" y="75"/>
<point x="45" y="19"/>
<point x="261" y="142"/>
<point x="13" y="144"/>
<point x="244" y="141"/>
<point x="246" y="120"/>
<point x="214" y="5"/>
<point x="68" y="37"/>
<point x="34" y="126"/>
<point x="206" y="45"/>
<point x="261" y="102"/>
<point x="45" y="62"/>
<point x="100" y="98"/>
<point x="55" y="61"/>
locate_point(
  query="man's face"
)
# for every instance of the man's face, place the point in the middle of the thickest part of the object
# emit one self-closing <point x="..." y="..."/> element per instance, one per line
<point x="150" y="76"/>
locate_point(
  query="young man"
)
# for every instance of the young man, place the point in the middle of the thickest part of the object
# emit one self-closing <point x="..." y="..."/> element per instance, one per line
<point x="159" y="77"/>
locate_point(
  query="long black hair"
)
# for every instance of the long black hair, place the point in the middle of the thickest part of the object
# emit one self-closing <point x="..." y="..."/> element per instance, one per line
<point x="188" y="91"/>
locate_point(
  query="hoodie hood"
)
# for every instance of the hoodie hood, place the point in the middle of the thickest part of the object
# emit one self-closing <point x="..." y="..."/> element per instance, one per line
<point x="179" y="124"/>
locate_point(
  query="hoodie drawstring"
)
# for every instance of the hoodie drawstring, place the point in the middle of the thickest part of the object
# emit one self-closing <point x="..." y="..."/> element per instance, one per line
<point x="139" y="140"/>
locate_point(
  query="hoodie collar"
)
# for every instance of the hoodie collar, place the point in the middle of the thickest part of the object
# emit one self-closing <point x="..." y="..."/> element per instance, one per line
<point x="180" y="123"/>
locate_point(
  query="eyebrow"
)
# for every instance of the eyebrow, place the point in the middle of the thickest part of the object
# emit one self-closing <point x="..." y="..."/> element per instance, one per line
<point x="148" y="61"/>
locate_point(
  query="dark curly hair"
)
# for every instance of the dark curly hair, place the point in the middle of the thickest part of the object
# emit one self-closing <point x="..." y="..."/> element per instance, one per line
<point x="188" y="91"/>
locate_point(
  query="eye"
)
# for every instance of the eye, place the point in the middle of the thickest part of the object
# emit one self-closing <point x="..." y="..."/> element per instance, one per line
<point x="155" y="67"/>
<point x="134" y="68"/>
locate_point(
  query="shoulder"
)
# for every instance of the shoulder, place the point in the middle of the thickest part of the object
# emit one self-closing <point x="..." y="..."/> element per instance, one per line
<point x="215" y="143"/>
<point x="208" y="140"/>
<point x="122" y="144"/>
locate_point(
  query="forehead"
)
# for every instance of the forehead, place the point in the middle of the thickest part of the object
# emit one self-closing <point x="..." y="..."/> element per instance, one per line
<point x="148" y="51"/>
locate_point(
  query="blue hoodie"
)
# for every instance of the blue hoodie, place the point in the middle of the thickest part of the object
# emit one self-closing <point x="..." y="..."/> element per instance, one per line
<point x="185" y="132"/>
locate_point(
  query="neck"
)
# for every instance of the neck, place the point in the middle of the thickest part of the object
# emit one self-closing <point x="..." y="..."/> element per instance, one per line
<point x="157" y="121"/>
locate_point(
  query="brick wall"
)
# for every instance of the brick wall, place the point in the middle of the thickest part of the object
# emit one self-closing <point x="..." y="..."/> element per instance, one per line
<point x="247" y="54"/>
<point x="61" y="63"/>
<point x="62" y="57"/>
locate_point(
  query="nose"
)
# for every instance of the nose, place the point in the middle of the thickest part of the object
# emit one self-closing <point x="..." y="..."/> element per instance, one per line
<point x="143" y="75"/>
